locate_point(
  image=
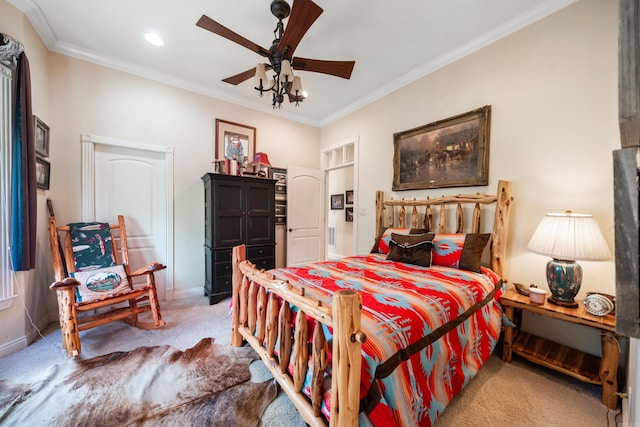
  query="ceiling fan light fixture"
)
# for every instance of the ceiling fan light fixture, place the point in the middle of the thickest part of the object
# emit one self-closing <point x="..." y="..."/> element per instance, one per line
<point x="284" y="84"/>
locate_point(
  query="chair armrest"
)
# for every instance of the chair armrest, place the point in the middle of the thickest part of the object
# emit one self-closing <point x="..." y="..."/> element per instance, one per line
<point x="149" y="269"/>
<point x="68" y="282"/>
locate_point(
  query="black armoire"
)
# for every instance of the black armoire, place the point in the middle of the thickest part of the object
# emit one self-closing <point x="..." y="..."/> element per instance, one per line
<point x="237" y="210"/>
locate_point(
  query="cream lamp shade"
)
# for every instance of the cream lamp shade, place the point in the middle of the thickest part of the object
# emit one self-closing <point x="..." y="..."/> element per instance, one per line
<point x="567" y="237"/>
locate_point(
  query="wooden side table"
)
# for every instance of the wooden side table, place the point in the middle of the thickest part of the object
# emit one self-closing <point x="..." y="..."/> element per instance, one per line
<point x="585" y="367"/>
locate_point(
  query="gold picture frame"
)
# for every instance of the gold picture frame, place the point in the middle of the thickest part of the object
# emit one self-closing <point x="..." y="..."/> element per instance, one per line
<point x="453" y="152"/>
<point x="229" y="133"/>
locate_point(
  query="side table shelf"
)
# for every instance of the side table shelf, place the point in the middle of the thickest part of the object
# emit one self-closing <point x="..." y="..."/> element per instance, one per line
<point x="567" y="360"/>
<point x="582" y="366"/>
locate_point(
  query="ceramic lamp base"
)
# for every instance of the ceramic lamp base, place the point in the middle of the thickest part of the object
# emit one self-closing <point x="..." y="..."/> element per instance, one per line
<point x="564" y="279"/>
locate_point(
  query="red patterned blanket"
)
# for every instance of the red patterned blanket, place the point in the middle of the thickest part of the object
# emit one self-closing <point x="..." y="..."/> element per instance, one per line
<point x="429" y="330"/>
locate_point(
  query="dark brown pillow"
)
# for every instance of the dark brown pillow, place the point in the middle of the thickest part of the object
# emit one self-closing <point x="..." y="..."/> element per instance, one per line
<point x="471" y="257"/>
<point x="412" y="249"/>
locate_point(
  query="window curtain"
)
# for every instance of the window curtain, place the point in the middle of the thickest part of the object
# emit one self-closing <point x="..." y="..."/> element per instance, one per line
<point x="23" y="160"/>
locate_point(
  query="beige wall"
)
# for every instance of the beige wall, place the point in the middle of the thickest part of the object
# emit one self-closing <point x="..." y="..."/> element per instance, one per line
<point x="553" y="91"/>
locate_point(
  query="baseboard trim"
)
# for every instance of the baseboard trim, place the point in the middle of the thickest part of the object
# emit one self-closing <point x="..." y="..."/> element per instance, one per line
<point x="13" y="346"/>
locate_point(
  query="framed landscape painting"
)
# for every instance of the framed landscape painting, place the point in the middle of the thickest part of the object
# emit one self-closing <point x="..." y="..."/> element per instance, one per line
<point x="453" y="152"/>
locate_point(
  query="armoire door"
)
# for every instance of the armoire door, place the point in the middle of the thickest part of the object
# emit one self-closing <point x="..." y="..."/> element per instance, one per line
<point x="229" y="211"/>
<point x="260" y="221"/>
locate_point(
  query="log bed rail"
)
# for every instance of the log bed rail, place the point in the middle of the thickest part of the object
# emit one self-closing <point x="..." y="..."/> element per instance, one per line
<point x="262" y="309"/>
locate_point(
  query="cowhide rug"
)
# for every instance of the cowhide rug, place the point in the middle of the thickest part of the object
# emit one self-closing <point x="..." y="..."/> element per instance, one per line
<point x="207" y="385"/>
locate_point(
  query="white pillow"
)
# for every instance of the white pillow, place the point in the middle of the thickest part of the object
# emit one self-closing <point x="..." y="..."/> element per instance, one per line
<point x="101" y="283"/>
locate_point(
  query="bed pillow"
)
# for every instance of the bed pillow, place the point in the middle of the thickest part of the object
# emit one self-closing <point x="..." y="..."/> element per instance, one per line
<point x="463" y="251"/>
<point x="381" y="245"/>
<point x="410" y="249"/>
<point x="101" y="283"/>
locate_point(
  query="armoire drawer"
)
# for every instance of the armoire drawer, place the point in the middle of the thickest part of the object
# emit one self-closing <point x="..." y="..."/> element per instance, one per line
<point x="254" y="252"/>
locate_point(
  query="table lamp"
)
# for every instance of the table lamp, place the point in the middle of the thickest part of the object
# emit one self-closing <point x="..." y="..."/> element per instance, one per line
<point x="261" y="160"/>
<point x="567" y="237"/>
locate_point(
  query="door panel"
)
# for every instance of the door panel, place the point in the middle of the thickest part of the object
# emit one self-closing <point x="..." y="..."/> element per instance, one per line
<point x="131" y="183"/>
<point x="305" y="215"/>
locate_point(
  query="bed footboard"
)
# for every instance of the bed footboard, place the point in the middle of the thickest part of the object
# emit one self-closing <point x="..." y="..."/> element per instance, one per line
<point x="262" y="313"/>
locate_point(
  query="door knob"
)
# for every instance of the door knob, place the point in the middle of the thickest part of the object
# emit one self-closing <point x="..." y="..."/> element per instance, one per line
<point x="290" y="230"/>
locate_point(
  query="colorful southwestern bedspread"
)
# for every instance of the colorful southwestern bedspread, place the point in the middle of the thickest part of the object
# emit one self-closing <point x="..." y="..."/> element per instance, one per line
<point x="429" y="330"/>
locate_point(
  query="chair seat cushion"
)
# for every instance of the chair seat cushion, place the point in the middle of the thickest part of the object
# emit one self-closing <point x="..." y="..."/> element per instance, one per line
<point x="101" y="283"/>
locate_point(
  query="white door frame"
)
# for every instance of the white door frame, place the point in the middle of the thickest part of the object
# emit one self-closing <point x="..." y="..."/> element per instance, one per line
<point x="340" y="163"/>
<point x="89" y="141"/>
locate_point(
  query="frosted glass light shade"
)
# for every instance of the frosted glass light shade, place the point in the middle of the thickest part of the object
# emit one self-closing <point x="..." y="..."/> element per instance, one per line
<point x="569" y="236"/>
<point x="296" y="86"/>
<point x="261" y="74"/>
<point x="285" y="70"/>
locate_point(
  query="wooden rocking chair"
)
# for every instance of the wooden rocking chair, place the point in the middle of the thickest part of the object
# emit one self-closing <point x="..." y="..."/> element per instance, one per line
<point x="95" y="259"/>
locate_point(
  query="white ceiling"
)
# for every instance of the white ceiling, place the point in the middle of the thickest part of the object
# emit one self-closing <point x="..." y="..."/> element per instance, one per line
<point x="391" y="45"/>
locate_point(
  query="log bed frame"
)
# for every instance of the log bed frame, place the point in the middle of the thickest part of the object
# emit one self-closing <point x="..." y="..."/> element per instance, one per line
<point x="258" y="317"/>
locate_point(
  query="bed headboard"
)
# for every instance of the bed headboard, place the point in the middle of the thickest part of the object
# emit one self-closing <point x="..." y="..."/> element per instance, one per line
<point x="450" y="213"/>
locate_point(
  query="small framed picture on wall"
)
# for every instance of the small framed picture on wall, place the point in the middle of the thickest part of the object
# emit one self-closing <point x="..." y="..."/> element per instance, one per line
<point x="349" y="197"/>
<point x="337" y="201"/>
<point x="43" y="173"/>
<point x="42" y="137"/>
<point x="348" y="214"/>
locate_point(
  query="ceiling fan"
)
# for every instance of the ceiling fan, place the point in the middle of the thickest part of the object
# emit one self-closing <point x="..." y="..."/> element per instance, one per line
<point x="280" y="55"/>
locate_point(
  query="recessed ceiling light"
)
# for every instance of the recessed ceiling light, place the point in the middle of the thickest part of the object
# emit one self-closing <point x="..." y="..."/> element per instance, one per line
<point x="154" y="39"/>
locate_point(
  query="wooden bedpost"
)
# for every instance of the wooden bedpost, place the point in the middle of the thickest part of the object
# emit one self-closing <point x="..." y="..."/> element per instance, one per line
<point x="347" y="358"/>
<point x="501" y="227"/>
<point x="238" y="255"/>
<point x="379" y="213"/>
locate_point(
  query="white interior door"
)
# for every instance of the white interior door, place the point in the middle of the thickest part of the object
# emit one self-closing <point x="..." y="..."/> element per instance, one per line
<point x="133" y="182"/>
<point x="305" y="215"/>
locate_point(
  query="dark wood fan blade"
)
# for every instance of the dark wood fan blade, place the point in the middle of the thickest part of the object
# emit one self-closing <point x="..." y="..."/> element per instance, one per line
<point x="335" y="68"/>
<point x="243" y="76"/>
<point x="303" y="14"/>
<point x="219" y="29"/>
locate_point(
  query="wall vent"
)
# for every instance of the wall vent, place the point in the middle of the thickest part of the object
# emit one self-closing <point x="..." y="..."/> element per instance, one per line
<point x="331" y="238"/>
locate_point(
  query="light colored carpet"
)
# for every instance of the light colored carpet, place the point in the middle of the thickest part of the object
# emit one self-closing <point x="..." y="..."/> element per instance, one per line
<point x="517" y="394"/>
